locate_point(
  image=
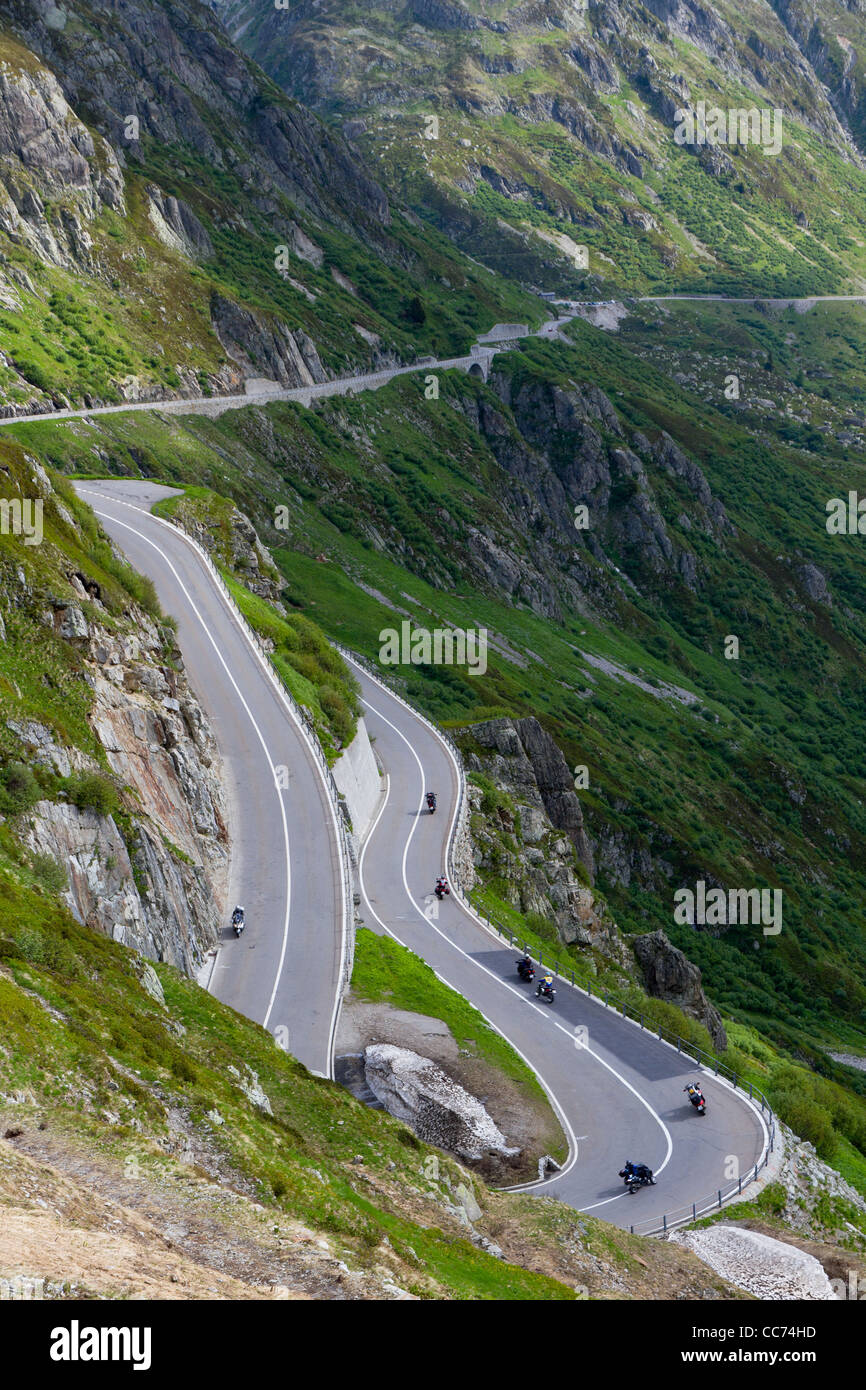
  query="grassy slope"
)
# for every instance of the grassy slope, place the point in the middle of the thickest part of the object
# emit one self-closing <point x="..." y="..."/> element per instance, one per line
<point x="500" y="158"/>
<point x="311" y="670"/>
<point x="109" y="1068"/>
<point x="695" y="785"/>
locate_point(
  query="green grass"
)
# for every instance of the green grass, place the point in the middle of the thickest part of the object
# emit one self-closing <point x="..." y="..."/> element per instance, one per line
<point x="386" y="972"/>
<point x="104" y="1025"/>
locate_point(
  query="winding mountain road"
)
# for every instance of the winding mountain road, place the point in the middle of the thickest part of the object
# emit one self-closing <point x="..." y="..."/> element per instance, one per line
<point x="285" y="864"/>
<point x="479" y="357"/>
<point x="617" y="1090"/>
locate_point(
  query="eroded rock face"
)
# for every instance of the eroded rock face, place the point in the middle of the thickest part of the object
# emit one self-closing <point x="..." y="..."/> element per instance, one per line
<point x="177" y="226"/>
<point x="669" y="974"/>
<point x="158" y="884"/>
<point x="261" y="347"/>
<point x="47" y="153"/>
<point x="525" y="757"/>
<point x="535" y="844"/>
<point x="423" y="1096"/>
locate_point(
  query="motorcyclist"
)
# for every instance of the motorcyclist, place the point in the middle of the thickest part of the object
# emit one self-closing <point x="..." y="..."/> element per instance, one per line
<point x="237" y="916"/>
<point x="431" y="800"/>
<point x="546" y="985"/>
<point x="636" y="1172"/>
<point x="441" y="886"/>
<point x="525" y="967"/>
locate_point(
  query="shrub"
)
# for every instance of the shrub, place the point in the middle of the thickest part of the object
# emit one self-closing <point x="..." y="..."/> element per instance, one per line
<point x="49" y="874"/>
<point x="19" y="789"/>
<point x="808" y="1119"/>
<point x="91" y="791"/>
<point x="183" y="1068"/>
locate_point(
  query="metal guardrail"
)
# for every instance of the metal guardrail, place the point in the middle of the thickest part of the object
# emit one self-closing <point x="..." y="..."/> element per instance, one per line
<point x="604" y="997"/>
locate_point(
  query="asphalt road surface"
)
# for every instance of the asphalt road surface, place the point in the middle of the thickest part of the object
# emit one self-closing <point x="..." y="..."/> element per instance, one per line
<point x="284" y="971"/>
<point x="617" y="1089"/>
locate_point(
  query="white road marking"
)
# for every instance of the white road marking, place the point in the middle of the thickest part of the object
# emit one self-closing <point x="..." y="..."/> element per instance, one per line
<point x="257" y="656"/>
<point x="545" y="1012"/>
<point x="108" y="517"/>
<point x="560" y="1111"/>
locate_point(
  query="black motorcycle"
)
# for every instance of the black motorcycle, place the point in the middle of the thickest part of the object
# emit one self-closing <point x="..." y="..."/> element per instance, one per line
<point x="526" y="970"/>
<point x="238" y="922"/>
<point x="546" y="992"/>
<point x="441" y="889"/>
<point x="431" y="802"/>
<point x="637" y="1175"/>
<point x="697" y="1098"/>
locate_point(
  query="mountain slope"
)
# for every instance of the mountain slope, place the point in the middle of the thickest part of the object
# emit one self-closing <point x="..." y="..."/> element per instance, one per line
<point x="558" y="120"/>
<point x="171" y="223"/>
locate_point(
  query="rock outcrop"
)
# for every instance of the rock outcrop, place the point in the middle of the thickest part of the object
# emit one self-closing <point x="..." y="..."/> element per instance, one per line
<point x="524" y="756"/>
<point x="423" y="1096"/>
<point x="669" y="974"/>
<point x="530" y="836"/>
<point x="48" y="155"/>
<point x="263" y="348"/>
<point x="153" y="880"/>
<point x="177" y="226"/>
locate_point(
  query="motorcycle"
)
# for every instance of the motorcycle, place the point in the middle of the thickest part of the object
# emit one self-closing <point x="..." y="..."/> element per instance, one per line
<point x="238" y="922"/>
<point x="546" y="991"/>
<point x="441" y="889"/>
<point x="431" y="802"/>
<point x="526" y="971"/>
<point x="697" y="1098"/>
<point x="637" y="1175"/>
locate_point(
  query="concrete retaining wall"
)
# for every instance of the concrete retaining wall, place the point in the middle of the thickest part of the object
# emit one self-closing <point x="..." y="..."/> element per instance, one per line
<point x="357" y="778"/>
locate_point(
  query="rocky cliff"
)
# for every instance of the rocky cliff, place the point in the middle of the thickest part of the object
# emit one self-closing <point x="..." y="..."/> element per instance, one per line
<point x="154" y="875"/>
<point x="526" y="839"/>
<point x="527" y="835"/>
<point x="125" y="791"/>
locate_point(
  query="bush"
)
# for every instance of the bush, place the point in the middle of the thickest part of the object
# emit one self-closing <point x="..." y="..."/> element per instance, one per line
<point x="808" y="1119"/>
<point x="90" y="791"/>
<point x="19" y="789"/>
<point x="183" y="1068"/>
<point x="49" y="874"/>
